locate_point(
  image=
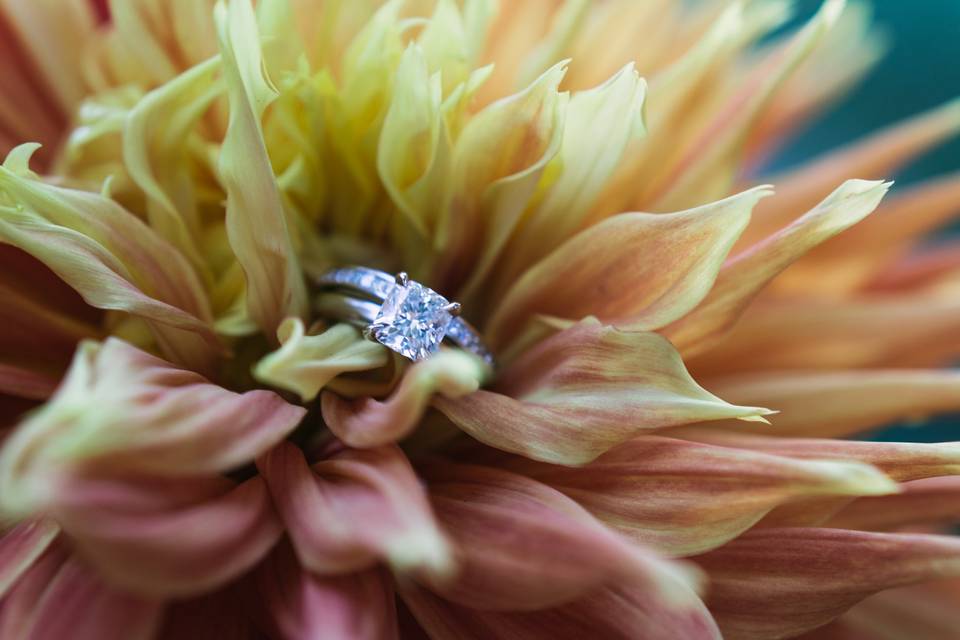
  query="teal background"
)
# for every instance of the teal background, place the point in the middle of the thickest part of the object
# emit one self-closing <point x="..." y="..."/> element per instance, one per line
<point x="921" y="70"/>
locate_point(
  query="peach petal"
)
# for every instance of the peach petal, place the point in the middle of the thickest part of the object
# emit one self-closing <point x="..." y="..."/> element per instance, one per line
<point x="746" y="274"/>
<point x="875" y="156"/>
<point x="20" y="546"/>
<point x="933" y="501"/>
<point x="844" y="264"/>
<point x="634" y="270"/>
<point x="556" y="411"/>
<point x="778" y="583"/>
<point x="926" y="611"/>
<point x="161" y="538"/>
<point x="63" y="598"/>
<point x="841" y="403"/>
<point x="353" y="509"/>
<point x="617" y="613"/>
<point x="367" y="422"/>
<point x="522" y="546"/>
<point x="681" y="497"/>
<point x="298" y="604"/>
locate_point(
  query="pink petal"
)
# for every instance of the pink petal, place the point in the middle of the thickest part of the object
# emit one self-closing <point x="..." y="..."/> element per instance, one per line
<point x="779" y="583"/>
<point x="60" y="598"/>
<point x="165" y="537"/>
<point x="354" y="509"/>
<point x="620" y="613"/>
<point x="298" y="604"/>
<point x="934" y="501"/>
<point x="20" y="547"/>
<point x="523" y="546"/>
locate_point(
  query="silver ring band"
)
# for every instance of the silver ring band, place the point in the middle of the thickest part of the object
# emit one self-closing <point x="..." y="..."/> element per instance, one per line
<point x="401" y="314"/>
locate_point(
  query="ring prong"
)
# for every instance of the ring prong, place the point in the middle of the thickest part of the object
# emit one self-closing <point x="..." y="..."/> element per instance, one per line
<point x="453" y="309"/>
<point x="368" y="333"/>
<point x="402" y="278"/>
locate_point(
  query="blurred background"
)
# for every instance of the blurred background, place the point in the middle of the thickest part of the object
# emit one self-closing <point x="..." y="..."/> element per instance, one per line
<point x="921" y="70"/>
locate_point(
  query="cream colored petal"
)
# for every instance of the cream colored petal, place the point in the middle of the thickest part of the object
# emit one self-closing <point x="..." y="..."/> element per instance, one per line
<point x="305" y="363"/>
<point x="256" y="222"/>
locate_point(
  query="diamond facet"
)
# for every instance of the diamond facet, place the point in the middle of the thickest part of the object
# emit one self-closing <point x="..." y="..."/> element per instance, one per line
<point x="412" y="321"/>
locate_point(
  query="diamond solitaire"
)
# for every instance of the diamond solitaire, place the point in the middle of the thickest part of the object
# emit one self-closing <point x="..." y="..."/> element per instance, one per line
<point x="413" y="320"/>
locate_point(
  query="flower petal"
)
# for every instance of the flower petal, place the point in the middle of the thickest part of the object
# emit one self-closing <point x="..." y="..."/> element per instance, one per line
<point x="62" y="598"/>
<point x="162" y="537"/>
<point x="842" y="403"/>
<point x="585" y="390"/>
<point x="635" y="270"/>
<point x="746" y="274"/>
<point x="681" y="497"/>
<point x="109" y="257"/>
<point x="256" y="222"/>
<point x="522" y="546"/>
<point x="353" y="509"/>
<point x="121" y="408"/>
<point x="934" y="501"/>
<point x="619" y="613"/>
<point x="20" y="547"/>
<point x="927" y="611"/>
<point x="779" y="583"/>
<point x="355" y="606"/>
<point x="306" y="363"/>
<point x="367" y="422"/>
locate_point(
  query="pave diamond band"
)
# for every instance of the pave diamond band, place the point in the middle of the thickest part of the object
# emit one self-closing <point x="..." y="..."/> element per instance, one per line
<point x="401" y="314"/>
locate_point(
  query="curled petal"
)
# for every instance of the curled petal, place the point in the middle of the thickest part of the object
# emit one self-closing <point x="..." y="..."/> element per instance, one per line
<point x="682" y="497"/>
<point x="299" y="604"/>
<point x="256" y="222"/>
<point x="837" y="404"/>
<point x="635" y="270"/>
<point x="121" y="408"/>
<point x="110" y="257"/>
<point x="20" y="547"/>
<point x="355" y="508"/>
<point x="585" y="390"/>
<point x="746" y="274"/>
<point x="620" y="613"/>
<point x="158" y="537"/>
<point x="934" y="501"/>
<point x="369" y="423"/>
<point x="523" y="546"/>
<point x="60" y="597"/>
<point x="779" y="583"/>
<point x="305" y="364"/>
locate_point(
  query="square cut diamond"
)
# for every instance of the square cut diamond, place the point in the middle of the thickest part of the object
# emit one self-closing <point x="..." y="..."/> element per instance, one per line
<point x="412" y="321"/>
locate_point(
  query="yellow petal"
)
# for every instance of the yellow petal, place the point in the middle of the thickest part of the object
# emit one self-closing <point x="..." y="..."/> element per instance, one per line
<point x="256" y="222"/>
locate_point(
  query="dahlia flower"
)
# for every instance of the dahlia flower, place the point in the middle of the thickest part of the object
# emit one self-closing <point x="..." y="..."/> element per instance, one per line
<point x="191" y="450"/>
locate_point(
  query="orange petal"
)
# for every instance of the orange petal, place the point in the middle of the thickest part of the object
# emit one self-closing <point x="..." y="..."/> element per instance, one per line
<point x="354" y="509"/>
<point x="682" y="497"/>
<point x="585" y="390"/>
<point x="522" y="546"/>
<point x="747" y="273"/>
<point x="779" y="583"/>
<point x="635" y="270"/>
<point x="367" y="422"/>
<point x="840" y="403"/>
